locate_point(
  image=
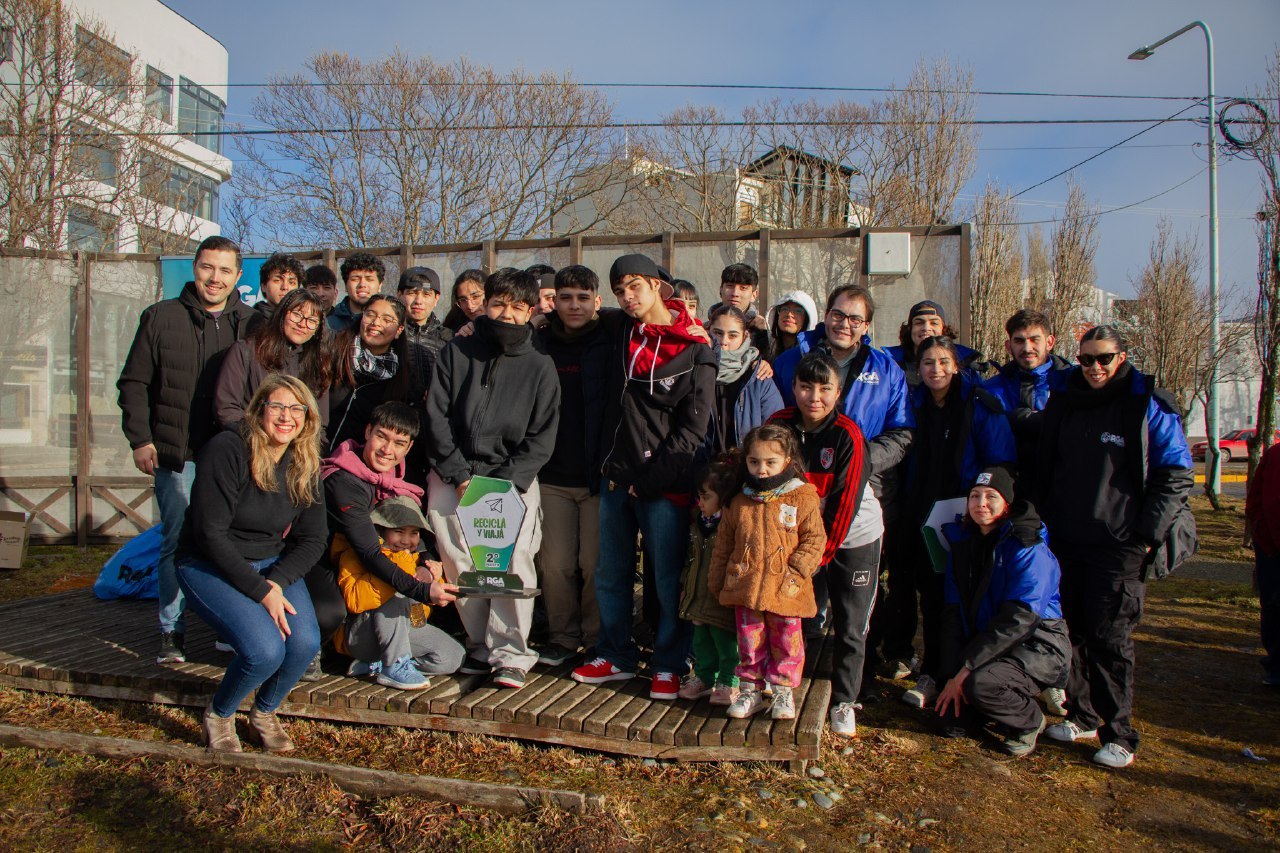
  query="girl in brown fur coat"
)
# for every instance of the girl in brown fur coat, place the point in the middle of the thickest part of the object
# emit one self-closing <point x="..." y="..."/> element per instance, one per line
<point x="770" y="545"/>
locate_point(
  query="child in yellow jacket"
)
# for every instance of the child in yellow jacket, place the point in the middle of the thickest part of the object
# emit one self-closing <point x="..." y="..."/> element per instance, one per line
<point x="386" y="632"/>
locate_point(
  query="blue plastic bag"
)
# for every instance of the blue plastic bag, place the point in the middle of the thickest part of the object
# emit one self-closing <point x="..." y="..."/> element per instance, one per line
<point x="132" y="572"/>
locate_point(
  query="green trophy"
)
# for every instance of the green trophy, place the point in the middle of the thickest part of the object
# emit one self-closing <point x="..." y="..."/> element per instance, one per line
<point x="490" y="512"/>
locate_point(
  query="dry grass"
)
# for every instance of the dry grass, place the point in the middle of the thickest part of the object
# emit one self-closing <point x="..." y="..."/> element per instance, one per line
<point x="1200" y="704"/>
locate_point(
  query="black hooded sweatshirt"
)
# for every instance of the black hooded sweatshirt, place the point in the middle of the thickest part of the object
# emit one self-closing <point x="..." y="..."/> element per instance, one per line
<point x="493" y="406"/>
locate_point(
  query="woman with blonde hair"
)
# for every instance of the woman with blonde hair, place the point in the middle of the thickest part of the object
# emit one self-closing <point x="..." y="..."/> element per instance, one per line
<point x="255" y="526"/>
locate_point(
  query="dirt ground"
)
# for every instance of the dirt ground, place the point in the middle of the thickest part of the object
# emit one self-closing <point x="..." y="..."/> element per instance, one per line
<point x="1200" y="704"/>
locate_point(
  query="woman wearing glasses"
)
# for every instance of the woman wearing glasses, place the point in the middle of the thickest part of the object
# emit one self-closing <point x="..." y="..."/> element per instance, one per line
<point x="293" y="341"/>
<point x="370" y="367"/>
<point x="255" y="526"/>
<point x="1115" y="473"/>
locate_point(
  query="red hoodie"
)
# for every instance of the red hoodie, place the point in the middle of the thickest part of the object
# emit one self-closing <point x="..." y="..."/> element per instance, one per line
<point x="650" y="347"/>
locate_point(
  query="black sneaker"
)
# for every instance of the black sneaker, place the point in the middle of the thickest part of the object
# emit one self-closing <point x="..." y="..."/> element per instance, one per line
<point x="314" y="672"/>
<point x="509" y="676"/>
<point x="171" y="647"/>
<point x="475" y="666"/>
<point x="554" y="654"/>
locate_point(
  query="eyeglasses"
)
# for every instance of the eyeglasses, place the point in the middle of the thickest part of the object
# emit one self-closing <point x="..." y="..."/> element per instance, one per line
<point x="839" y="318"/>
<point x="303" y="320"/>
<point x="791" y="311"/>
<point x="1103" y="358"/>
<point x="297" y="410"/>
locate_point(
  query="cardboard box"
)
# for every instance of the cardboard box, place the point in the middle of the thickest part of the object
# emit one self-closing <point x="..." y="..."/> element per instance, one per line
<point x="14" y="527"/>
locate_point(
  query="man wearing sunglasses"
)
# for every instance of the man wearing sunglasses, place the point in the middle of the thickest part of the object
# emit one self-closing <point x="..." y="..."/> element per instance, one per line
<point x="1115" y="473"/>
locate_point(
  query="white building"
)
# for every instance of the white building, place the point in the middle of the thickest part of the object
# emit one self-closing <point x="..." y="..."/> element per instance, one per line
<point x="163" y="75"/>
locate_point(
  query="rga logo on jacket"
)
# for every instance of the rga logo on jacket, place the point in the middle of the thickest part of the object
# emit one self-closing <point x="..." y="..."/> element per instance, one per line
<point x="870" y="377"/>
<point x="827" y="456"/>
<point x="1112" y="438"/>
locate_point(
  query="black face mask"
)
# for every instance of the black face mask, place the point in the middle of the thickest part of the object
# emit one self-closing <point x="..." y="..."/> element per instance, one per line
<point x="506" y="336"/>
<point x="767" y="484"/>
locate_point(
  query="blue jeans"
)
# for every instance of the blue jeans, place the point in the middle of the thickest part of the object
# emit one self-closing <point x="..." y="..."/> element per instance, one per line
<point x="264" y="661"/>
<point x="173" y="494"/>
<point x="666" y="535"/>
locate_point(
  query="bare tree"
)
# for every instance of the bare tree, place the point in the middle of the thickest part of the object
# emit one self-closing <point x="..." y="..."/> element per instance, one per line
<point x="80" y="150"/>
<point x="405" y="150"/>
<point x="1038" y="271"/>
<point x="1073" y="247"/>
<point x="931" y="134"/>
<point x="996" y="276"/>
<point x="1266" y="331"/>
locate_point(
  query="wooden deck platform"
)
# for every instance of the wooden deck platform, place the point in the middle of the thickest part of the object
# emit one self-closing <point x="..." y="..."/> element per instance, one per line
<point x="73" y="644"/>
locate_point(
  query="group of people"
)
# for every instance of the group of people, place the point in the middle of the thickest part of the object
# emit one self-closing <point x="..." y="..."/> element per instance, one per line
<point x="772" y="472"/>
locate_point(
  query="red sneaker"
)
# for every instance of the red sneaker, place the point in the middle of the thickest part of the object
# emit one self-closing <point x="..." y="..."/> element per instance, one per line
<point x="665" y="686"/>
<point x="599" y="671"/>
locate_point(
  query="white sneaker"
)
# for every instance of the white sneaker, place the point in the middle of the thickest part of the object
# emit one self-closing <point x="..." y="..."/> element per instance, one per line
<point x="902" y="668"/>
<point x="923" y="695"/>
<point x="1068" y="732"/>
<point x="1113" y="755"/>
<point x="843" y="719"/>
<point x="750" y="702"/>
<point x="784" y="703"/>
<point x="1054" y="700"/>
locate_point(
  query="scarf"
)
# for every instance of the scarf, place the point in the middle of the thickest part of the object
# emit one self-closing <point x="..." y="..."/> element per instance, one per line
<point x="734" y="363"/>
<point x="386" y="485"/>
<point x="766" y="489"/>
<point x="373" y="366"/>
<point x="708" y="523"/>
<point x="505" y="337"/>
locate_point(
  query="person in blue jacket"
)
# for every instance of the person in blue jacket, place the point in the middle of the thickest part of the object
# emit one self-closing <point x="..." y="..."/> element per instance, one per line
<point x="1024" y="383"/>
<point x="743" y="401"/>
<point x="1114" y="476"/>
<point x="1003" y="636"/>
<point x="960" y="430"/>
<point x="874" y="395"/>
<point x="927" y="320"/>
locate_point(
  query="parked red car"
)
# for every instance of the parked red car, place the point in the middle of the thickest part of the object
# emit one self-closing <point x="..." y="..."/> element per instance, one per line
<point x="1233" y="445"/>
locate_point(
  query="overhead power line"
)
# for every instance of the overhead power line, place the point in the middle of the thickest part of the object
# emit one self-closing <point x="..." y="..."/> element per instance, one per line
<point x="628" y="125"/>
<point x="1156" y="124"/>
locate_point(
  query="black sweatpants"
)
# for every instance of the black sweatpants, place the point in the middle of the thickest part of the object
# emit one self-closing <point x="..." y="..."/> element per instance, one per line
<point x="1001" y="691"/>
<point x="1102" y="594"/>
<point x="912" y="578"/>
<point x="852" y="579"/>
<point x="326" y="598"/>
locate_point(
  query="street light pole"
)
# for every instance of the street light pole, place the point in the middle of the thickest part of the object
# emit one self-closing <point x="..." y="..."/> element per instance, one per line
<point x="1213" y="459"/>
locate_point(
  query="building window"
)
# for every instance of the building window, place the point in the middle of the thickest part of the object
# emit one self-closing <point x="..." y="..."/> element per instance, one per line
<point x="179" y="187"/>
<point x="101" y="64"/>
<point x="159" y="95"/>
<point x="15" y="407"/>
<point x="90" y="232"/>
<point x="6" y="43"/>
<point x="95" y="156"/>
<point x="165" y="242"/>
<point x="200" y="114"/>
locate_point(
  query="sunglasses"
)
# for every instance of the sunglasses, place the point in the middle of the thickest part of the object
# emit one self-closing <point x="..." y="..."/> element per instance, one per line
<point x="1102" y="358"/>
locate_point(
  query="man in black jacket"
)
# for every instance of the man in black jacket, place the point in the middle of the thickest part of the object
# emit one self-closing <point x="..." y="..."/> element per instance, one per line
<point x="492" y="412"/>
<point x="659" y="400"/>
<point x="279" y="274"/>
<point x="582" y="349"/>
<point x="419" y="291"/>
<point x="166" y="401"/>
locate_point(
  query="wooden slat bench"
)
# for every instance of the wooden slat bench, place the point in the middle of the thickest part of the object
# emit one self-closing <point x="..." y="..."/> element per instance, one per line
<point x="73" y="644"/>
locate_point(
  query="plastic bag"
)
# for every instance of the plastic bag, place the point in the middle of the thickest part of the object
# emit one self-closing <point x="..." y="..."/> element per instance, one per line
<point x="132" y="572"/>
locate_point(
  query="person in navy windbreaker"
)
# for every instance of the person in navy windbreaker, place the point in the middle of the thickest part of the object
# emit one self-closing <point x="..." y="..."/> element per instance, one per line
<point x="744" y="401"/>
<point x="1003" y="636"/>
<point x="1024" y="383"/>
<point x="927" y="320"/>
<point x="960" y="430"/>
<point x="1114" y="476"/>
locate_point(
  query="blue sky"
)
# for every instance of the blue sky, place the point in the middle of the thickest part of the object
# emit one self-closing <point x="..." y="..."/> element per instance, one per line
<point x="1078" y="47"/>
